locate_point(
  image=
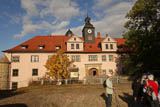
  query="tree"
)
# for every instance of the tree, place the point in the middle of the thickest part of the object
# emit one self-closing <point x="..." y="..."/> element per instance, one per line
<point x="143" y="34"/>
<point x="58" y="65"/>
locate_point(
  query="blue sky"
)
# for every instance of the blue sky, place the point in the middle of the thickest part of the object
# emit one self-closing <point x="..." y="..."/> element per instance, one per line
<point x="21" y="20"/>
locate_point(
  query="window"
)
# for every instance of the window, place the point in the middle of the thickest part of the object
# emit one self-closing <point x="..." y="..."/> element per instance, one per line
<point x="106" y="46"/>
<point x="110" y="57"/>
<point x="58" y="47"/>
<point x="15" y="58"/>
<point x="72" y="46"/>
<point x="14" y="85"/>
<point x="15" y="73"/>
<point x="103" y="57"/>
<point x="73" y="58"/>
<point x="111" y="46"/>
<point x="89" y="37"/>
<point x="92" y="58"/>
<point x="74" y="38"/>
<point x="41" y="46"/>
<point x="49" y="56"/>
<point x="34" y="72"/>
<point x="76" y="58"/>
<point x="110" y="71"/>
<point x="104" y="72"/>
<point x="34" y="58"/>
<point x="77" y="46"/>
<point x="108" y="39"/>
<point x="24" y="46"/>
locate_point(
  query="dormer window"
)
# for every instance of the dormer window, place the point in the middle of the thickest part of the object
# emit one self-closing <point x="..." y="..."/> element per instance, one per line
<point x="58" y="47"/>
<point x="77" y="46"/>
<point x="24" y="46"/>
<point x="111" y="46"/>
<point x="72" y="46"/>
<point x="41" y="46"/>
<point x="106" y="46"/>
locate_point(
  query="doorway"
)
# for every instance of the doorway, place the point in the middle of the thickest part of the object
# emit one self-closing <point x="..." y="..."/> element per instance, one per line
<point x="93" y="72"/>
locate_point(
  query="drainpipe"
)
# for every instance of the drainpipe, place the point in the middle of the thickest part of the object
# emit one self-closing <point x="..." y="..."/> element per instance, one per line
<point x="10" y="72"/>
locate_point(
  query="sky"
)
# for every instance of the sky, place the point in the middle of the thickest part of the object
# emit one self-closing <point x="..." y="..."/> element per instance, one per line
<point x="20" y="20"/>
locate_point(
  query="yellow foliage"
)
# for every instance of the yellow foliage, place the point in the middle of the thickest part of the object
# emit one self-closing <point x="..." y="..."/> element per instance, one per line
<point x="58" y="65"/>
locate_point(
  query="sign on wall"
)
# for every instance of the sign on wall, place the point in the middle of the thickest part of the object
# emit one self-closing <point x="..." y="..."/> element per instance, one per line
<point x="74" y="74"/>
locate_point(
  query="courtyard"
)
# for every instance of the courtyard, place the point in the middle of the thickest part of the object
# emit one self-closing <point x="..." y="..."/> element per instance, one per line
<point x="75" y="95"/>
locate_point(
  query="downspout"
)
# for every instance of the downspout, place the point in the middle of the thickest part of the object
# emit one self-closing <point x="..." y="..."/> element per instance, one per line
<point x="10" y="66"/>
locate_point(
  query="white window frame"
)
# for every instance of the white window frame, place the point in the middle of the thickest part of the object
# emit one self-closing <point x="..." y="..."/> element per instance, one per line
<point x="77" y="46"/>
<point x="104" y="71"/>
<point x="104" y="58"/>
<point x="106" y="46"/>
<point x="76" y="58"/>
<point x="92" y="58"/>
<point x="72" y="46"/>
<point x="49" y="56"/>
<point x="34" y="58"/>
<point x="111" y="58"/>
<point x="15" y="58"/>
<point x="111" y="46"/>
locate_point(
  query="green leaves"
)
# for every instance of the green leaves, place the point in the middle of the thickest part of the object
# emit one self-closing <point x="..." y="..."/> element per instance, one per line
<point x="142" y="34"/>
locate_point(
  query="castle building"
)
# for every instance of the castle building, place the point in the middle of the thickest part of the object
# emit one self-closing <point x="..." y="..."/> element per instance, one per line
<point x="93" y="55"/>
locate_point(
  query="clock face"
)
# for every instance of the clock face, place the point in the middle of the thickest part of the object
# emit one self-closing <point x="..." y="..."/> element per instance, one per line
<point x="89" y="31"/>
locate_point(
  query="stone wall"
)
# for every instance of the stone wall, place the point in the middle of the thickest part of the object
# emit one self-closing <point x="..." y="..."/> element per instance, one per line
<point x="4" y="75"/>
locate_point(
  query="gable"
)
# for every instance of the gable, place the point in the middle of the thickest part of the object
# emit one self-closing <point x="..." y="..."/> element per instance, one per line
<point x="108" y="39"/>
<point x="75" y="39"/>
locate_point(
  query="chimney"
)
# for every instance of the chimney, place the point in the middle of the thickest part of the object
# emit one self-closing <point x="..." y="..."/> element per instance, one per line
<point x="98" y="35"/>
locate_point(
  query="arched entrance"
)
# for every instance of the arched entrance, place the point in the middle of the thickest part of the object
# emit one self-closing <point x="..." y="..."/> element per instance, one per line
<point x="93" y="72"/>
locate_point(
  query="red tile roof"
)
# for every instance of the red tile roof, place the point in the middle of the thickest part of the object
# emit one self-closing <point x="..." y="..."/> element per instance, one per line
<point x="50" y="43"/>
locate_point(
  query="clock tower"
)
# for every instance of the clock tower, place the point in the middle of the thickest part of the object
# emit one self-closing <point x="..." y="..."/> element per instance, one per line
<point x="88" y="31"/>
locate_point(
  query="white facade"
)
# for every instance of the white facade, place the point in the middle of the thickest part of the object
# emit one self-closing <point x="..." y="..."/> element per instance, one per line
<point x="25" y="65"/>
<point x="92" y="56"/>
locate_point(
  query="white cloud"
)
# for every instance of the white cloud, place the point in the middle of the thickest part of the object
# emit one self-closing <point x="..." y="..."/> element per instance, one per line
<point x="110" y="13"/>
<point x="27" y="29"/>
<point x="60" y="10"/>
<point x="102" y="4"/>
<point x="120" y="8"/>
<point x="32" y="28"/>
<point x="62" y="24"/>
<point x="113" y="16"/>
<point x="30" y="6"/>
<point x="76" y="30"/>
<point x="112" y="21"/>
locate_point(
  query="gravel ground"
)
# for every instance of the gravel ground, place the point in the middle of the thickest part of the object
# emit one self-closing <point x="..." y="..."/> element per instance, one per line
<point x="69" y="96"/>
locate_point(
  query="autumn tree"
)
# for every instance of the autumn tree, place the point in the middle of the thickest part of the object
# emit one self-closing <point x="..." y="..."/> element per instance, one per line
<point x="58" y="65"/>
<point x="143" y="34"/>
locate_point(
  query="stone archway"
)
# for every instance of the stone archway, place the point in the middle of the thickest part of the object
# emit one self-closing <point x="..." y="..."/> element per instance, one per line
<point x="93" y="72"/>
<point x="93" y="69"/>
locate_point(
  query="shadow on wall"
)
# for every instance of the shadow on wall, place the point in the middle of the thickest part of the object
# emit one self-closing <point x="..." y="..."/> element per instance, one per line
<point x="9" y="93"/>
<point x="14" y="105"/>
<point x="103" y="95"/>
